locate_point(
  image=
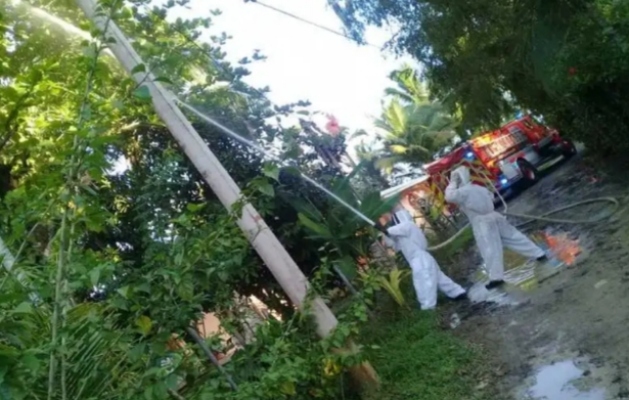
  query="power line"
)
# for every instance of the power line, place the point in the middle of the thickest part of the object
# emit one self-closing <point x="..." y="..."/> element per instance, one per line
<point x="316" y="25"/>
<point x="214" y="62"/>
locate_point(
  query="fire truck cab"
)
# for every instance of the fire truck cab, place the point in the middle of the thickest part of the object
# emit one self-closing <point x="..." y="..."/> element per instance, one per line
<point x="516" y="151"/>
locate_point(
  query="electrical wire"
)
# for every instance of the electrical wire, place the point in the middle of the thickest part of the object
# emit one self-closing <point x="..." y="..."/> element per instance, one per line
<point x="315" y="24"/>
<point x="544" y="217"/>
<point x="203" y="50"/>
<point x="247" y="142"/>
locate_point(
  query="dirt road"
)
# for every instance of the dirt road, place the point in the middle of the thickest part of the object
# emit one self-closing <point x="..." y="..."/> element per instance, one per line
<point x="568" y="336"/>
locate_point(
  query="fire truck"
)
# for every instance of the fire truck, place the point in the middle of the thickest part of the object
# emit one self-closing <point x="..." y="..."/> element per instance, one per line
<point x="517" y="150"/>
<point x="501" y="158"/>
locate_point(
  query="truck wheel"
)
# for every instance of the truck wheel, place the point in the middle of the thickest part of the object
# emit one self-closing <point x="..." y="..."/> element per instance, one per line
<point x="569" y="149"/>
<point x="528" y="170"/>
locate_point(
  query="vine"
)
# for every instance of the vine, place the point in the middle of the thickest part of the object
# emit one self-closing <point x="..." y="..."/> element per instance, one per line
<point x="65" y="238"/>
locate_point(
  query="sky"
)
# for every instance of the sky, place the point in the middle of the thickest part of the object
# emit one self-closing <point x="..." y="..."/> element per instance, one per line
<point x="304" y="62"/>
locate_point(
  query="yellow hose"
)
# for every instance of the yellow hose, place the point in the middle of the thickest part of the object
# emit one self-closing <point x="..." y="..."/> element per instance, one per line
<point x="544" y="217"/>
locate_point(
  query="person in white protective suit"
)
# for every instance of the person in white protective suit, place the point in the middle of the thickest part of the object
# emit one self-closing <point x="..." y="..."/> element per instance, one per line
<point x="406" y="237"/>
<point x="491" y="230"/>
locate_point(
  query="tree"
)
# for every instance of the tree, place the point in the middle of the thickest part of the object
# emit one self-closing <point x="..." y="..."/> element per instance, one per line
<point x="413" y="127"/>
<point x="409" y="88"/>
<point x="367" y="154"/>
<point x="413" y="133"/>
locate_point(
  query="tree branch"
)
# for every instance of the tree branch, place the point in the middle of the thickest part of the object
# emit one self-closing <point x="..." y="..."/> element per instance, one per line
<point x="208" y="353"/>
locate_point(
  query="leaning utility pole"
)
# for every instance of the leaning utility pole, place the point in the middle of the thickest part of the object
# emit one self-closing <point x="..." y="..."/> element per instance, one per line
<point x="266" y="244"/>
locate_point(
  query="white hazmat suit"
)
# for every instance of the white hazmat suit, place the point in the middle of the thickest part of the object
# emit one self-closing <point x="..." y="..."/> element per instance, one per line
<point x="427" y="276"/>
<point x="491" y="229"/>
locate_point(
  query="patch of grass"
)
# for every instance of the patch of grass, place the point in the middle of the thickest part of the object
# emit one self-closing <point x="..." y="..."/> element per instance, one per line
<point x="417" y="359"/>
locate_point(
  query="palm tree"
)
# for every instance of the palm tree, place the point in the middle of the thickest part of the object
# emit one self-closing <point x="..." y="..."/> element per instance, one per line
<point x="413" y="133"/>
<point x="413" y="127"/>
<point x="409" y="88"/>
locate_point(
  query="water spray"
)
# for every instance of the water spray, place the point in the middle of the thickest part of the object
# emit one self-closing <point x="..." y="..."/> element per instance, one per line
<point x="267" y="153"/>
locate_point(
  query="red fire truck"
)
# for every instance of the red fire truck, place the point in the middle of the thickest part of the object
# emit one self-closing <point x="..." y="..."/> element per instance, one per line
<point x="517" y="149"/>
<point x="503" y="157"/>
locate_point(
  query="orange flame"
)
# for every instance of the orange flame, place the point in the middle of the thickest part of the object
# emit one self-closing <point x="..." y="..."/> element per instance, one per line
<point x="563" y="248"/>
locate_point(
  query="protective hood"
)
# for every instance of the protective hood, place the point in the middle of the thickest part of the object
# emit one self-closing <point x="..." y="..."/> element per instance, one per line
<point x="401" y="216"/>
<point x="463" y="173"/>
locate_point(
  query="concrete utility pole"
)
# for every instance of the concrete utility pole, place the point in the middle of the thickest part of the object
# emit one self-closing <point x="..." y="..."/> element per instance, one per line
<point x="266" y="244"/>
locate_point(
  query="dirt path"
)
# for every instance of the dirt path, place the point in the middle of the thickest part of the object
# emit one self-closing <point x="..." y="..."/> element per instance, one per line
<point x="568" y="336"/>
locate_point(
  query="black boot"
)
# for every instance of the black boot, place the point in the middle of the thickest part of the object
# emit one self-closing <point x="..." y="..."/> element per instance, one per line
<point x="461" y="297"/>
<point x="494" y="284"/>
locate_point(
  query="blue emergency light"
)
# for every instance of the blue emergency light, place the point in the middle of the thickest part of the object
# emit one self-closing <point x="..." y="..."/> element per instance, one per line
<point x="469" y="155"/>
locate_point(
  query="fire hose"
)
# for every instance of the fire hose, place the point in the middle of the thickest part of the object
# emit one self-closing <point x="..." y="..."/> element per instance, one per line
<point x="545" y="217"/>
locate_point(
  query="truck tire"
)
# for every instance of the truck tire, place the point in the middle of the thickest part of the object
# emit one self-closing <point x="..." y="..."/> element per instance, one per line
<point x="569" y="149"/>
<point x="528" y="170"/>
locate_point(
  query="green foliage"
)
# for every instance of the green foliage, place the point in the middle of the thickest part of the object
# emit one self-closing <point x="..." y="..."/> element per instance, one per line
<point x="413" y="133"/>
<point x="286" y="361"/>
<point x="368" y="155"/>
<point x="341" y="232"/>
<point x="409" y="88"/>
<point x="412" y="128"/>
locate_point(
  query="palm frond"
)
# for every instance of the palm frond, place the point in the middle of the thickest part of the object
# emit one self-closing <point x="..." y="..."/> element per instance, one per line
<point x="398" y="149"/>
<point x="96" y="357"/>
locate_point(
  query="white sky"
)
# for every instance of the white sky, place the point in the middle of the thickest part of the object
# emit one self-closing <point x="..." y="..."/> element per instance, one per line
<point x="304" y="62"/>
